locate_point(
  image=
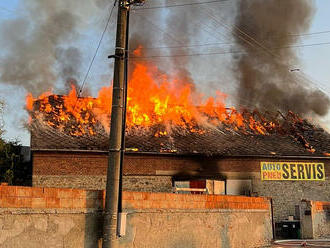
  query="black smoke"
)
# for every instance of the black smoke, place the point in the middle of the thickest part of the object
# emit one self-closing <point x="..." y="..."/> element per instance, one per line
<point x="265" y="71"/>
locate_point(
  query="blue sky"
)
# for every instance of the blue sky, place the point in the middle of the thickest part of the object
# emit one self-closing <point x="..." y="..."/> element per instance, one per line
<point x="314" y="61"/>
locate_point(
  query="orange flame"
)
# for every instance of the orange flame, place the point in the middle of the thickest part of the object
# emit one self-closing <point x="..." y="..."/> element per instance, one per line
<point x="153" y="99"/>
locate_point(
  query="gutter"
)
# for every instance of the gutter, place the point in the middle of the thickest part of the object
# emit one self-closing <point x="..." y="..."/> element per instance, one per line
<point x="188" y="154"/>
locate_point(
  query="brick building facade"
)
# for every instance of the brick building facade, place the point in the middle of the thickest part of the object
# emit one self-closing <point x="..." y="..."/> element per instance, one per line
<point x="158" y="173"/>
<point x="161" y="163"/>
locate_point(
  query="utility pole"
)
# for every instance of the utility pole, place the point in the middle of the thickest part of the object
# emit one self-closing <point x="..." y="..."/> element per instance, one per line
<point x="113" y="173"/>
<point x="117" y="132"/>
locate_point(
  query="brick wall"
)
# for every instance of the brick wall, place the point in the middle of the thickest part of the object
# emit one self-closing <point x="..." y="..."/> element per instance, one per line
<point x="33" y="197"/>
<point x="91" y="163"/>
<point x="154" y="174"/>
<point x="71" y="218"/>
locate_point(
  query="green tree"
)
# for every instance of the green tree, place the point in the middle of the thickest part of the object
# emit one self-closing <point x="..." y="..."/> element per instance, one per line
<point x="2" y="106"/>
<point x="10" y="157"/>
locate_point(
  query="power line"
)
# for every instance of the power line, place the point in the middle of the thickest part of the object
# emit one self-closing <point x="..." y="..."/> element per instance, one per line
<point x="246" y="38"/>
<point x="97" y="49"/>
<point x="178" y="47"/>
<point x="230" y="43"/>
<point x="180" y="5"/>
<point x="309" y="45"/>
<point x="224" y="52"/>
<point x="314" y="33"/>
<point x="265" y="49"/>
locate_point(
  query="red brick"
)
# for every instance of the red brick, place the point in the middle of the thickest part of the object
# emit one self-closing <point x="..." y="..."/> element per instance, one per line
<point x="66" y="202"/>
<point x="137" y="195"/>
<point x="212" y="198"/>
<point x="147" y="204"/>
<point x="65" y="193"/>
<point x="9" y="202"/>
<point x="200" y="205"/>
<point x="156" y="204"/>
<point x="51" y="192"/>
<point x="38" y="192"/>
<point x="24" y="191"/>
<point x="164" y="204"/>
<point x="186" y="205"/>
<point x="221" y="198"/>
<point x="197" y="198"/>
<point x="171" y="205"/>
<point x="217" y="205"/>
<point x="170" y="197"/>
<point x="38" y="202"/>
<point x="52" y="202"/>
<point x="136" y="204"/>
<point x="128" y="195"/>
<point x="24" y="202"/>
<point x="180" y="197"/>
<point x="79" y="203"/>
<point x="8" y="190"/>
<point x="145" y="195"/>
<point x="78" y="193"/>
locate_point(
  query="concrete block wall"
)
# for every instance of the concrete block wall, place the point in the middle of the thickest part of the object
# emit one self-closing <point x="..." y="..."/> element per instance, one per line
<point x="315" y="219"/>
<point x="55" y="217"/>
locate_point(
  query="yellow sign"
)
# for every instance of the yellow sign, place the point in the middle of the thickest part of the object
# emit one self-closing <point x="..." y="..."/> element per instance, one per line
<point x="294" y="171"/>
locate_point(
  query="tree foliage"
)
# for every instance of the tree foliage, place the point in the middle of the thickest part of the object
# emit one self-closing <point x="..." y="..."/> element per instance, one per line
<point x="10" y="154"/>
<point x="2" y="105"/>
<point x="10" y="160"/>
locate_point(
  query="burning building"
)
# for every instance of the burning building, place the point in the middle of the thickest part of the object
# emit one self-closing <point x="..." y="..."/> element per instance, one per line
<point x="177" y="143"/>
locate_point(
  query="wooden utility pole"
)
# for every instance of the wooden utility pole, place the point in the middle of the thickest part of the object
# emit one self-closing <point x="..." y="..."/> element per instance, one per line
<point x="113" y="173"/>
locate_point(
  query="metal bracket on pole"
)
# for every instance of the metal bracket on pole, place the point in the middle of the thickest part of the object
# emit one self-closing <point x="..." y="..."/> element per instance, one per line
<point x="119" y="54"/>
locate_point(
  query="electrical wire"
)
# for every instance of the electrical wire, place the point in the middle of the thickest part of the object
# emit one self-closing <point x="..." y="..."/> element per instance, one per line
<point x="265" y="49"/>
<point x="97" y="49"/>
<point x="229" y="43"/>
<point x="243" y="36"/>
<point x="95" y="54"/>
<point x="214" y="53"/>
<point x="314" y="33"/>
<point x="240" y="36"/>
<point x="181" y="5"/>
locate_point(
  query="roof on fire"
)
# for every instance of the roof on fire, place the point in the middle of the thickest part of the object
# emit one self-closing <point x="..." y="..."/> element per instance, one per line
<point x="214" y="142"/>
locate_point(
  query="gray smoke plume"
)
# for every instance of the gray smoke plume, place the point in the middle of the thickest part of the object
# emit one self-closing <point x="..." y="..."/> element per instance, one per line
<point x="38" y="51"/>
<point x="69" y="66"/>
<point x="264" y="69"/>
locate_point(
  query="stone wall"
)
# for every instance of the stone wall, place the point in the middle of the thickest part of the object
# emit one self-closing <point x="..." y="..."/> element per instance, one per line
<point x="315" y="219"/>
<point x="130" y="183"/>
<point x="288" y="194"/>
<point x="71" y="218"/>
